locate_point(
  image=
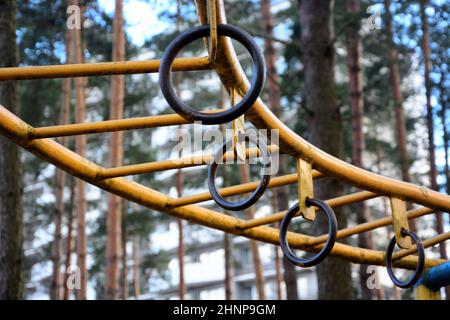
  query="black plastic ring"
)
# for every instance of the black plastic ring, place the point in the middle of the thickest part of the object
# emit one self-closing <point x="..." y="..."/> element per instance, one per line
<point x="420" y="264"/>
<point x="257" y="81"/>
<point x="326" y="249"/>
<point x="256" y="194"/>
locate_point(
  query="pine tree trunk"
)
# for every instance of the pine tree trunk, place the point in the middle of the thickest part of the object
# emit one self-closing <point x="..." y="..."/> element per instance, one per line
<point x="227" y="238"/>
<point x="270" y="57"/>
<point x="80" y="148"/>
<point x="430" y="124"/>
<point x="316" y="22"/>
<point x="290" y="273"/>
<point x="278" y="272"/>
<point x="11" y="235"/>
<point x="227" y="243"/>
<point x="443" y="100"/>
<point x="277" y="261"/>
<point x="114" y="220"/>
<point x="180" y="222"/>
<point x="250" y="214"/>
<point x="60" y="178"/>
<point x="136" y="268"/>
<point x="179" y="184"/>
<point x="430" y="120"/>
<point x="70" y="219"/>
<point x="398" y="103"/>
<point x="290" y="276"/>
<point x="124" y="265"/>
<point x="379" y="161"/>
<point x="354" y="51"/>
<point x="55" y="292"/>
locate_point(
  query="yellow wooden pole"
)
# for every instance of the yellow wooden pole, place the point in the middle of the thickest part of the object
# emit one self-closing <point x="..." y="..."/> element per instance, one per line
<point x="49" y="150"/>
<point x="232" y="75"/>
<point x="99" y="69"/>
<point x="185" y="162"/>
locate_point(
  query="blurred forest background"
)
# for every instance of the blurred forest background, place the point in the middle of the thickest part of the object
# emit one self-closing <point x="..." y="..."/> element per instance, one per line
<point x="365" y="80"/>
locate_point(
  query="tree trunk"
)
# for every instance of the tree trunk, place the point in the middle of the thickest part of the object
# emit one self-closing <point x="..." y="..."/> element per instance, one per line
<point x="444" y="100"/>
<point x="227" y="238"/>
<point x="278" y="272"/>
<point x="11" y="235"/>
<point x="430" y="119"/>
<point x="124" y="265"/>
<point x="68" y="261"/>
<point x="398" y="103"/>
<point x="290" y="276"/>
<point x="114" y="220"/>
<point x="354" y="52"/>
<point x="277" y="261"/>
<point x="227" y="243"/>
<point x="430" y="124"/>
<point x="136" y="268"/>
<point x="270" y="57"/>
<point x="334" y="274"/>
<point x="228" y="257"/>
<point x="290" y="273"/>
<point x="179" y="183"/>
<point x="250" y="214"/>
<point x="379" y="161"/>
<point x="180" y="222"/>
<point x="60" y="178"/>
<point x="80" y="148"/>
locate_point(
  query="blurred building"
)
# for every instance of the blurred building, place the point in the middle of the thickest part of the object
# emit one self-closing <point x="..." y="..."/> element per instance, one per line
<point x="205" y="268"/>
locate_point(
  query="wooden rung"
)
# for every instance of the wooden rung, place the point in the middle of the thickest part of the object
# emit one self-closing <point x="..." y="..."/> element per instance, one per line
<point x="238" y="189"/>
<point x="99" y="69"/>
<point x="334" y="202"/>
<point x="185" y="162"/>
<point x="110" y="126"/>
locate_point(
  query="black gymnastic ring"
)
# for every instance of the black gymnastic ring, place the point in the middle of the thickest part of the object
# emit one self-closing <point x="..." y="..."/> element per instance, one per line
<point x="326" y="249"/>
<point x="256" y="194"/>
<point x="257" y="81"/>
<point x="420" y="264"/>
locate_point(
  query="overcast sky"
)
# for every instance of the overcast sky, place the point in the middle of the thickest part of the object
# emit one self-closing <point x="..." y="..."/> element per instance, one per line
<point x="141" y="17"/>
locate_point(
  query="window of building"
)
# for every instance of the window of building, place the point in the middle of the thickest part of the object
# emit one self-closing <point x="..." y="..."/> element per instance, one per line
<point x="246" y="292"/>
